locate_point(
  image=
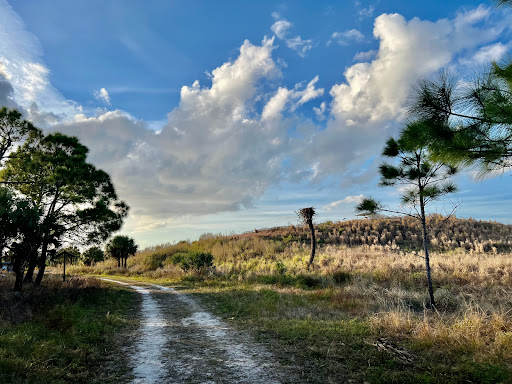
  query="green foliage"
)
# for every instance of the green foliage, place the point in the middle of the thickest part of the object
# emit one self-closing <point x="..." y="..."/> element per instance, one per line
<point x="52" y="171"/>
<point x="500" y="3"/>
<point x="468" y="124"/>
<point x="306" y="215"/>
<point x="92" y="255"/>
<point x="75" y="199"/>
<point x="341" y="277"/>
<point x="196" y="261"/>
<point x="154" y="261"/>
<point x="20" y="233"/>
<point x="13" y="129"/>
<point x="280" y="268"/>
<point x="368" y="206"/>
<point x="425" y="179"/>
<point x="301" y="281"/>
<point x="67" y="335"/>
<point x="121" y="247"/>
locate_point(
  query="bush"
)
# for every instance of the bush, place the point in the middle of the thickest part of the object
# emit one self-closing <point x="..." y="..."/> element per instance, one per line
<point x="192" y="260"/>
<point x="154" y="261"/>
<point x="341" y="277"/>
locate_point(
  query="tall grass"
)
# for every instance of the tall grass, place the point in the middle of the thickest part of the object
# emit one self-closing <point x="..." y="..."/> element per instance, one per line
<point x="375" y="288"/>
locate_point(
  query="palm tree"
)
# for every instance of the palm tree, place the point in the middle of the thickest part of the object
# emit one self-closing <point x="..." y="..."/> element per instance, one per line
<point x="306" y="216"/>
<point x="120" y="248"/>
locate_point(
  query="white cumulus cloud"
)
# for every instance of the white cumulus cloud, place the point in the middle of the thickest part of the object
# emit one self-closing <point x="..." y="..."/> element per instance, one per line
<point x="103" y="96"/>
<point x="369" y="104"/>
<point x="346" y="37"/>
<point x="211" y="155"/>
<point x="487" y="54"/>
<point x="281" y="29"/>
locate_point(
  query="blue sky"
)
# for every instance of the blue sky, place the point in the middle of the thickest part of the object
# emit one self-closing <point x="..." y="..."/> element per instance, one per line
<point x="229" y="116"/>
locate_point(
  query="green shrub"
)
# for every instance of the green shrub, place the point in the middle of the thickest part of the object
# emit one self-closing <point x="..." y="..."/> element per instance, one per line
<point x="192" y="260"/>
<point x="341" y="277"/>
<point x="154" y="261"/>
<point x="178" y="257"/>
<point x="280" y="268"/>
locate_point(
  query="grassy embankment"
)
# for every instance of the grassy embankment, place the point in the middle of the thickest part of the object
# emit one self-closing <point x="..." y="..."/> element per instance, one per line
<point x="63" y="332"/>
<point x="360" y="315"/>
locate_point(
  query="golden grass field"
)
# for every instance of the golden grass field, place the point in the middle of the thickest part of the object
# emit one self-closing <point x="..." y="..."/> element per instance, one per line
<point x="360" y="314"/>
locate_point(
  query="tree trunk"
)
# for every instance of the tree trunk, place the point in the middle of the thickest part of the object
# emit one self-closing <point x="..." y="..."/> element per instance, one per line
<point x="64" y="270"/>
<point x="41" y="264"/>
<point x="119" y="262"/>
<point x="313" y="243"/>
<point x="425" y="248"/>
<point x="18" y="270"/>
<point x="29" y="276"/>
<point x="18" y="284"/>
<point x="44" y="248"/>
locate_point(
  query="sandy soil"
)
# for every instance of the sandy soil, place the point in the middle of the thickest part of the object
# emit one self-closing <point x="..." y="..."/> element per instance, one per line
<point x="179" y="342"/>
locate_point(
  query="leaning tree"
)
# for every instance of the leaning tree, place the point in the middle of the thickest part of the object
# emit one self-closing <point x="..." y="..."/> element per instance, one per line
<point x="422" y="179"/>
<point x="306" y="215"/>
<point x="78" y="201"/>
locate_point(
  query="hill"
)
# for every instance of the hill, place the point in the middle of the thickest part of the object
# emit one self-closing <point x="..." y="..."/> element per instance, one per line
<point x="359" y="315"/>
<point x="446" y="234"/>
<point x="396" y="235"/>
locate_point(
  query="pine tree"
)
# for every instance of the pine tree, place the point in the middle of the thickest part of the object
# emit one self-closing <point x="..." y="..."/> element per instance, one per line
<point x="425" y="181"/>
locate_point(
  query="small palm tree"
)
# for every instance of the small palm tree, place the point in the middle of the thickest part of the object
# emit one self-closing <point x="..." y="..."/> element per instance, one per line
<point x="306" y="216"/>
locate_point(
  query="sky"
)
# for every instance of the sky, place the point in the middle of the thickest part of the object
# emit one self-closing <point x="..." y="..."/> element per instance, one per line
<point x="229" y="116"/>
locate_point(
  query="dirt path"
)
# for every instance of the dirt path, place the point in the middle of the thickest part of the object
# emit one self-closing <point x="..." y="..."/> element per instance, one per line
<point x="179" y="342"/>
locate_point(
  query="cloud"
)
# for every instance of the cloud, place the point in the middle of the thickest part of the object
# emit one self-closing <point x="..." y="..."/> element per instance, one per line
<point x="228" y="141"/>
<point x="297" y="97"/>
<point x="346" y="37"/>
<point x="6" y="89"/>
<point x="365" y="56"/>
<point x="319" y="111"/>
<point x="346" y="200"/>
<point x="366" y="12"/>
<point x="486" y="55"/>
<point x="276" y="104"/>
<point x="309" y="93"/>
<point x="281" y="29"/>
<point x="212" y="154"/>
<point x="22" y="67"/>
<point x="375" y="91"/>
<point x="103" y="96"/>
<point x="368" y="105"/>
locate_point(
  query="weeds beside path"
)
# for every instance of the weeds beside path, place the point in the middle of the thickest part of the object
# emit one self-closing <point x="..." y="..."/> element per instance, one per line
<point x="64" y="333"/>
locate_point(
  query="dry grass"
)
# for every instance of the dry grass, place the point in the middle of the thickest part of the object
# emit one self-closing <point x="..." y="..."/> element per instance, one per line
<point x="378" y="289"/>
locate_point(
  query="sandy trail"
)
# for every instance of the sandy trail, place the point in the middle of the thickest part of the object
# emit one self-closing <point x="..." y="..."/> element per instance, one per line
<point x="180" y="342"/>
